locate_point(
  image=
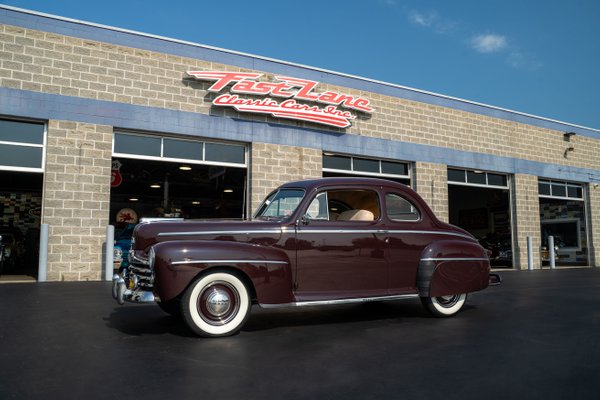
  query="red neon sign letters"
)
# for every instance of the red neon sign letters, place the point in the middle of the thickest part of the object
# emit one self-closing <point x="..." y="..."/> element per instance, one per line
<point x="282" y="96"/>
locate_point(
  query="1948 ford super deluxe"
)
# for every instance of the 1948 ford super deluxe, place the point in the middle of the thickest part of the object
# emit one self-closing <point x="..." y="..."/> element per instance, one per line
<point x="314" y="242"/>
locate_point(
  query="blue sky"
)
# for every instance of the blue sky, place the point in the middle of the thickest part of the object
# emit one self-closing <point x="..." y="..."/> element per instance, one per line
<point x="537" y="57"/>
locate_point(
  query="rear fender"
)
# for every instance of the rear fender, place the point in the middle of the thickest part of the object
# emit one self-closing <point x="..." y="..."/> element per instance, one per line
<point x="450" y="267"/>
<point x="178" y="263"/>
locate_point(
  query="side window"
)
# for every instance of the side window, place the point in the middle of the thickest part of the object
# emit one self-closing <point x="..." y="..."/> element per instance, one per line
<point x="400" y="209"/>
<point x="318" y="208"/>
<point x="345" y="205"/>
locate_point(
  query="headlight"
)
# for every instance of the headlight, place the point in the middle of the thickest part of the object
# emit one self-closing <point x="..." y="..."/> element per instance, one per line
<point x="151" y="256"/>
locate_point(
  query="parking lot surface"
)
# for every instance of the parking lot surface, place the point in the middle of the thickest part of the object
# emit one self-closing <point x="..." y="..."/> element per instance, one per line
<point x="537" y="336"/>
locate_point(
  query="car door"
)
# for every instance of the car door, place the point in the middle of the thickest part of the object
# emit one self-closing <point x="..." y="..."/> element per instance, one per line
<point x="407" y="236"/>
<point x="341" y="247"/>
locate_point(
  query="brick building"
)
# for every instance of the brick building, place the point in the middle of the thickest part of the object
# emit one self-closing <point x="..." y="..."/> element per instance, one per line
<point x="101" y="126"/>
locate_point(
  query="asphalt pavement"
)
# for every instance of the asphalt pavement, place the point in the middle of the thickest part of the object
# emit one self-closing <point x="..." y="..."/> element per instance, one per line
<point x="537" y="336"/>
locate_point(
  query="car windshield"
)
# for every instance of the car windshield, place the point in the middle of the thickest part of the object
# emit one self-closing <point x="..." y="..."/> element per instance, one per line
<point x="280" y="204"/>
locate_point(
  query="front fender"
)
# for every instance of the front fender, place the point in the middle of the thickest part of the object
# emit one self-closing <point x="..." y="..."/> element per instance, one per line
<point x="450" y="267"/>
<point x="177" y="263"/>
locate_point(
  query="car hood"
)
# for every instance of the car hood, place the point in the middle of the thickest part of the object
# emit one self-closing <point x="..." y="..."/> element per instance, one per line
<point x="259" y="232"/>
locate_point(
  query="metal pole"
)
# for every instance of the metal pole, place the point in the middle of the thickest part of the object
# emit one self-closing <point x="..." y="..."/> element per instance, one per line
<point x="529" y="253"/>
<point x="551" y="253"/>
<point x="43" y="257"/>
<point x="110" y="245"/>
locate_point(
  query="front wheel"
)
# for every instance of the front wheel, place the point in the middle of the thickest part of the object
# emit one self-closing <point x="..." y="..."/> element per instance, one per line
<point x="444" y="306"/>
<point x="217" y="304"/>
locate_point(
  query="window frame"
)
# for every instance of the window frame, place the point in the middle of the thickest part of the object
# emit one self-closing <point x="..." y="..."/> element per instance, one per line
<point x="412" y="204"/>
<point x="379" y="174"/>
<point x="162" y="138"/>
<point x="41" y="146"/>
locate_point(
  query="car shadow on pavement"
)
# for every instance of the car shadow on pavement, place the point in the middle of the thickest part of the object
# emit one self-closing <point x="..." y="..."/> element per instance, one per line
<point x="390" y="312"/>
<point x="137" y="320"/>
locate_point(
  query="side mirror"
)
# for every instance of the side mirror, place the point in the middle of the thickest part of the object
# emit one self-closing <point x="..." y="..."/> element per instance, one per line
<point x="305" y="220"/>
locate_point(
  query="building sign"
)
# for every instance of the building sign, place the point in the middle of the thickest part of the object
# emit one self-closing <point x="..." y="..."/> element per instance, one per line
<point x="284" y="98"/>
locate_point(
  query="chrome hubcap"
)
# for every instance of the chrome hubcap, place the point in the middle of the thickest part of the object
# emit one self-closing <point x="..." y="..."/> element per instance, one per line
<point x="448" y="301"/>
<point x="217" y="302"/>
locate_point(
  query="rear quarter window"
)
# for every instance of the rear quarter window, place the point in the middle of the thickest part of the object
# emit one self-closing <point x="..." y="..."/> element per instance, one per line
<point x="400" y="209"/>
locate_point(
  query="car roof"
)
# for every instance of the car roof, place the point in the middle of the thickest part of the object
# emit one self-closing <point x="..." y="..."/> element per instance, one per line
<point x="345" y="181"/>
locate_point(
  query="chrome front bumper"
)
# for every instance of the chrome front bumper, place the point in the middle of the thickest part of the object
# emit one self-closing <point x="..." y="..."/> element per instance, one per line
<point x="122" y="294"/>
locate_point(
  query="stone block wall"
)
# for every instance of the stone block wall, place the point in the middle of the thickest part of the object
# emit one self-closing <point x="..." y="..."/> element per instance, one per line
<point x="78" y="155"/>
<point x="76" y="198"/>
<point x="594" y="219"/>
<point x="47" y="62"/>
<point x="272" y="165"/>
<point x="526" y="212"/>
<point x="431" y="182"/>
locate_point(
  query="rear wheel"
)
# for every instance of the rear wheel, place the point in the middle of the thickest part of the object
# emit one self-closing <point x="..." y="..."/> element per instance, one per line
<point x="444" y="306"/>
<point x="217" y="304"/>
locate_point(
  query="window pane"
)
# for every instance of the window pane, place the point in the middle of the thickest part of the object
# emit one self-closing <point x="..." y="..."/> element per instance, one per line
<point x="173" y="148"/>
<point x="25" y="132"/>
<point x="337" y="162"/>
<point x="400" y="209"/>
<point x="281" y="203"/>
<point x="456" y="175"/>
<point x="142" y="145"/>
<point x="388" y="167"/>
<point x="575" y="192"/>
<point x="497" y="179"/>
<point x="21" y="156"/>
<point x="474" y="177"/>
<point x="559" y="190"/>
<point x="318" y="208"/>
<point x="361" y="164"/>
<point x="225" y="153"/>
<point x="544" y="188"/>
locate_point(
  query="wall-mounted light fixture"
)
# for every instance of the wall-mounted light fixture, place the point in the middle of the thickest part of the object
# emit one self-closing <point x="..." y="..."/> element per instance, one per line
<point x="567" y="136"/>
<point x="568" y="149"/>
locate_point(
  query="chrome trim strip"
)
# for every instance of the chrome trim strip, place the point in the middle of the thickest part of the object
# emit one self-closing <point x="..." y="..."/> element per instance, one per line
<point x="380" y="231"/>
<point x="270" y="231"/>
<point x="433" y="233"/>
<point x="227" y="261"/>
<point x="336" y="231"/>
<point x="340" y="301"/>
<point x="454" y="259"/>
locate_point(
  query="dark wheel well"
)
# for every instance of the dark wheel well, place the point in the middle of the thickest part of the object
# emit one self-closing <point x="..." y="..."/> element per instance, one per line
<point x="233" y="271"/>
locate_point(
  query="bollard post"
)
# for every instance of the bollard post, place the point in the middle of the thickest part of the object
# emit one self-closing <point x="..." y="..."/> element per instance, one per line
<point x="43" y="257"/>
<point x="109" y="259"/>
<point x="529" y="253"/>
<point x="551" y="253"/>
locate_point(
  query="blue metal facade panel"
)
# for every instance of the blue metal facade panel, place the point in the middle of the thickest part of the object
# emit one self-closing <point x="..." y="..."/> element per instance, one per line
<point x="43" y="106"/>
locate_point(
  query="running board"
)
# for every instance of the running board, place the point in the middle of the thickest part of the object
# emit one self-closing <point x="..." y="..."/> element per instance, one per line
<point x="341" y="301"/>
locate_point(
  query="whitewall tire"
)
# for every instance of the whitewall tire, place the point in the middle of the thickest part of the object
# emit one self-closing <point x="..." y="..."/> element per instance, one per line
<point x="216" y="304"/>
<point x="444" y="306"/>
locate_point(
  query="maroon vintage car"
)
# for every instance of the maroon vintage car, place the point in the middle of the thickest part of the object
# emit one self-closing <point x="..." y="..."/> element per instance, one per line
<point x="314" y="242"/>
